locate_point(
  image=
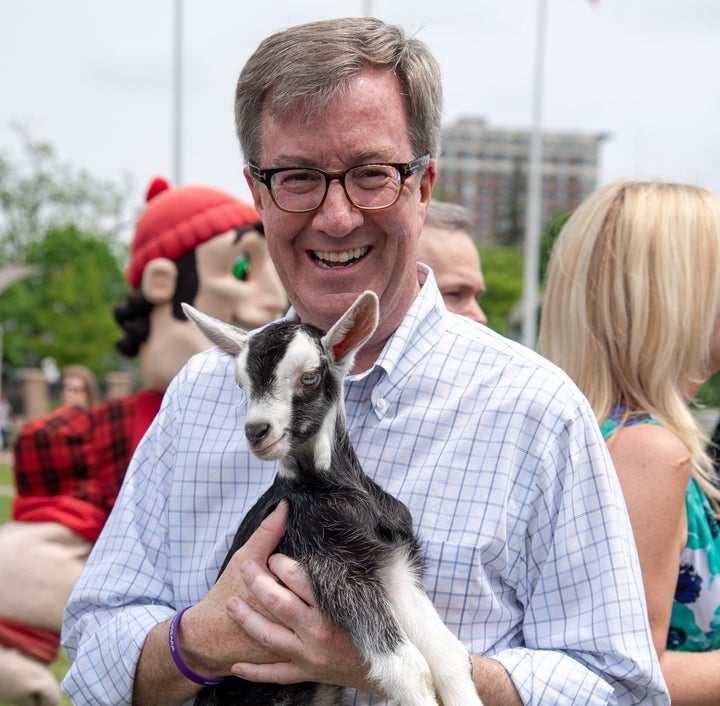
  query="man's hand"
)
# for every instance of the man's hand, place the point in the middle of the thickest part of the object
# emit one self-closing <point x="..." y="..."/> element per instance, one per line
<point x="209" y="629"/>
<point x="209" y="639"/>
<point x="312" y="648"/>
<point x="258" y="622"/>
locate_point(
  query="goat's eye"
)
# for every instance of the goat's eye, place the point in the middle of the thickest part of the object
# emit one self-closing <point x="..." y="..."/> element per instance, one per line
<point x="310" y="379"/>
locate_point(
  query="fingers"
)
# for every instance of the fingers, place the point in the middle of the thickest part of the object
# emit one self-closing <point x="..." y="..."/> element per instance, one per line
<point x="266" y="537"/>
<point x="212" y="617"/>
<point x="257" y="549"/>
<point x="292" y="575"/>
<point x="278" y="599"/>
<point x="307" y="645"/>
<point x="265" y="631"/>
<point x="270" y="673"/>
<point x="264" y="540"/>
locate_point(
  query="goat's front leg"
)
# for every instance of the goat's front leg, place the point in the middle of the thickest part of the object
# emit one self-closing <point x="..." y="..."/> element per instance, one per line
<point x="448" y="659"/>
<point x="360" y="605"/>
<point x="403" y="674"/>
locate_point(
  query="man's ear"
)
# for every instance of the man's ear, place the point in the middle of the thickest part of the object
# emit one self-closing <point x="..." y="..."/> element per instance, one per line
<point x="426" y="187"/>
<point x="428" y="181"/>
<point x="254" y="190"/>
<point x="159" y="281"/>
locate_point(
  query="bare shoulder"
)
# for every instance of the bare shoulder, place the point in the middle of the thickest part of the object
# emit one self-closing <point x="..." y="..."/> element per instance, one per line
<point x="650" y="451"/>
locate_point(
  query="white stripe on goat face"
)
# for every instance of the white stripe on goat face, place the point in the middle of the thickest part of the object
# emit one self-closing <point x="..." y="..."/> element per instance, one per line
<point x="272" y="403"/>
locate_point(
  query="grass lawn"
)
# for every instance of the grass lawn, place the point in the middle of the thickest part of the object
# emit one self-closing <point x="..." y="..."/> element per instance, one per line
<point x="5" y="500"/>
<point x="62" y="664"/>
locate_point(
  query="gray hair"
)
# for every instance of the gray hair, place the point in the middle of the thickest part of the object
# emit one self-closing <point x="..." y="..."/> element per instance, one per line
<point x="449" y="216"/>
<point x="304" y="67"/>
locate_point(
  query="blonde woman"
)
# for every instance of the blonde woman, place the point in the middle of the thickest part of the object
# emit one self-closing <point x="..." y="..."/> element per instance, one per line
<point x="631" y="312"/>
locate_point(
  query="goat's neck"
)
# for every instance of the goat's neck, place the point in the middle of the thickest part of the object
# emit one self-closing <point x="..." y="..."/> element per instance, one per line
<point x="328" y="454"/>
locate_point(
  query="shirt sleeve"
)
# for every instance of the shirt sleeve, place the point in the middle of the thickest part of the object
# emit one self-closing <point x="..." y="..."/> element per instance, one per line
<point x="586" y="639"/>
<point x="122" y="592"/>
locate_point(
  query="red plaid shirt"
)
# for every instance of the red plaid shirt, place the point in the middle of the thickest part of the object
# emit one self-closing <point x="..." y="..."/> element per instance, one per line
<point x="69" y="464"/>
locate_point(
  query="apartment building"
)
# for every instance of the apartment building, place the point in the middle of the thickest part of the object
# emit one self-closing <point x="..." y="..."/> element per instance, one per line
<point x="485" y="169"/>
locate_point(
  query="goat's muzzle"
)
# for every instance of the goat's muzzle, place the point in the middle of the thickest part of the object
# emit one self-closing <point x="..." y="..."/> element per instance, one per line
<point x="265" y="444"/>
<point x="256" y="432"/>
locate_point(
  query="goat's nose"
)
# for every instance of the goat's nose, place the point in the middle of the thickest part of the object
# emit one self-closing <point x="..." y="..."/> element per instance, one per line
<point x="256" y="432"/>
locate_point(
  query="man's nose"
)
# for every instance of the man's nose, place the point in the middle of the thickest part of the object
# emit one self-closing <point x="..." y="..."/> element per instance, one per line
<point x="474" y="311"/>
<point x="337" y="215"/>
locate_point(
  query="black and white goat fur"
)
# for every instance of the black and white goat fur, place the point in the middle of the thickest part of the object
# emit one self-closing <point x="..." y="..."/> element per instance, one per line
<point x="355" y="541"/>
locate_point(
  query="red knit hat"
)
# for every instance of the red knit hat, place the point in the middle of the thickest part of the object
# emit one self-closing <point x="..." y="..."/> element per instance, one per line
<point x="176" y="221"/>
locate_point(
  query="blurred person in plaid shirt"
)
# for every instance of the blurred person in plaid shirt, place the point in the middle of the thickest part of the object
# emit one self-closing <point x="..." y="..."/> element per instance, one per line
<point x="191" y="244"/>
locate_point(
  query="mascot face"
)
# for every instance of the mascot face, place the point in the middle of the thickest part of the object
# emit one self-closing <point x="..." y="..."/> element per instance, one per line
<point x="230" y="276"/>
<point x="237" y="281"/>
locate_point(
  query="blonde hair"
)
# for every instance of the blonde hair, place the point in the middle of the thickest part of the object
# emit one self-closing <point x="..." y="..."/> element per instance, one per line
<point x="632" y="300"/>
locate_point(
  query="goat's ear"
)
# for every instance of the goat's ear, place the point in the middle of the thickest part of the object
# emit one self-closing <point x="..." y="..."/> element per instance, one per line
<point x="226" y="337"/>
<point x="353" y="328"/>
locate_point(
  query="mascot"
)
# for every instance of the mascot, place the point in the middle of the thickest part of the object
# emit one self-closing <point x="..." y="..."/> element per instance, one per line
<point x="192" y="244"/>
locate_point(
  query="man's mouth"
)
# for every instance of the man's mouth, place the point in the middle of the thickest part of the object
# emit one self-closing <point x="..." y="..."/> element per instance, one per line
<point x="333" y="260"/>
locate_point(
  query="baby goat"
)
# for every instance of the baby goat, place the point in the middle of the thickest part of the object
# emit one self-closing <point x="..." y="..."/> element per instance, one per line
<point x="355" y="541"/>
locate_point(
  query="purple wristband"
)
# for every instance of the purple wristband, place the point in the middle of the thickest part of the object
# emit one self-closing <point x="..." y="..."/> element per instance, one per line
<point x="180" y="663"/>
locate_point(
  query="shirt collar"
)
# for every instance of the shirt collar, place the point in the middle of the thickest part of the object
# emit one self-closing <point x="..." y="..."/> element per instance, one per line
<point x="419" y="331"/>
<point x="417" y="334"/>
<point x="421" y="319"/>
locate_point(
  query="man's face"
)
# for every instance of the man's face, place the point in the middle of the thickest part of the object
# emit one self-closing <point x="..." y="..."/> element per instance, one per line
<point x="456" y="264"/>
<point x="327" y="257"/>
<point x="237" y="281"/>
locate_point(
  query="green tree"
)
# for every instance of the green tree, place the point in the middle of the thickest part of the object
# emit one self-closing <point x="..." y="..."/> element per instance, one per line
<point x="503" y="271"/>
<point x="68" y="224"/>
<point x="709" y="394"/>
<point x="65" y="310"/>
<point x="38" y="192"/>
<point x="549" y="236"/>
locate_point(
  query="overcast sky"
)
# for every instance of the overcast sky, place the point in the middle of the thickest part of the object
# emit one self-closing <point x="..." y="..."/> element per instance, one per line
<point x="94" y="77"/>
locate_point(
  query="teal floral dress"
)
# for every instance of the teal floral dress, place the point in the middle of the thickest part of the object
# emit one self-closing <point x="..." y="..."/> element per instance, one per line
<point x="695" y="619"/>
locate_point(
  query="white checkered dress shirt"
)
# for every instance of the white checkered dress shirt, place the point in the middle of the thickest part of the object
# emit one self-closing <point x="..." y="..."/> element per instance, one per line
<point x="529" y="549"/>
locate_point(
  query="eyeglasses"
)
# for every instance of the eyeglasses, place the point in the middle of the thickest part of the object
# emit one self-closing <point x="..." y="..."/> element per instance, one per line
<point x="369" y="187"/>
<point x="73" y="388"/>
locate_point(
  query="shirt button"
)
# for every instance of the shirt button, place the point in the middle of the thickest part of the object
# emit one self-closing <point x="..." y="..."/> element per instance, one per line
<point x="381" y="403"/>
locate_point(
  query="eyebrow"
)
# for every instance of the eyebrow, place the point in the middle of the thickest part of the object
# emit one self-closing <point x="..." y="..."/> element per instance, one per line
<point x="240" y="232"/>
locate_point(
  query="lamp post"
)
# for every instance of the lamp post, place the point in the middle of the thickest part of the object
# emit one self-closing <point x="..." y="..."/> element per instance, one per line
<point x="177" y="93"/>
<point x="533" y="212"/>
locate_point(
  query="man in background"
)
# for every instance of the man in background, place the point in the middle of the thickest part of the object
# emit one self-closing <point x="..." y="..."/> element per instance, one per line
<point x="446" y="245"/>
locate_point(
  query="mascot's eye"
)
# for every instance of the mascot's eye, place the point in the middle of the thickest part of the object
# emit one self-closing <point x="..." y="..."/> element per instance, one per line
<point x="241" y="268"/>
<point x="310" y="379"/>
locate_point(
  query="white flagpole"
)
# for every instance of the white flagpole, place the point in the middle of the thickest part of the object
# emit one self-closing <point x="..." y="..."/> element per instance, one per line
<point x="533" y="211"/>
<point x="177" y="95"/>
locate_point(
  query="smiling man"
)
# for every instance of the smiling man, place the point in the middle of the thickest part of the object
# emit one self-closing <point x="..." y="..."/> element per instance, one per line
<point x="494" y="451"/>
<point x="326" y="256"/>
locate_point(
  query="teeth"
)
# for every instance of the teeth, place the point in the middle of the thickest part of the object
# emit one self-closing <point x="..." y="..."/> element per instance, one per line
<point x="340" y="257"/>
